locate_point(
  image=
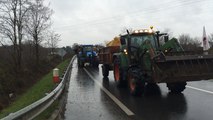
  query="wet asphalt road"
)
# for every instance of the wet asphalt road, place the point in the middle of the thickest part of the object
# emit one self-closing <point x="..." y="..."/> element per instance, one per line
<point x="87" y="100"/>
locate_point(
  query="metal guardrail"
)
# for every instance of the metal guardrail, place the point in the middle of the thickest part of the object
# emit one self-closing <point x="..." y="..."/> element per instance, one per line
<point x="34" y="109"/>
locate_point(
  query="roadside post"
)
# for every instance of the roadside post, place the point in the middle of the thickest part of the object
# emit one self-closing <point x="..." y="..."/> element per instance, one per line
<point x="56" y="75"/>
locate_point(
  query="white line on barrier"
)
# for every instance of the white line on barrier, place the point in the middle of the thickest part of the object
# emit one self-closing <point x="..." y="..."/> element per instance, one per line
<point x="199" y="89"/>
<point x="119" y="103"/>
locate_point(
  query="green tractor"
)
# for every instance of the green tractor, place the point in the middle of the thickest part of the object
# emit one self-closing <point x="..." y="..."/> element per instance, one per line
<point x="142" y="60"/>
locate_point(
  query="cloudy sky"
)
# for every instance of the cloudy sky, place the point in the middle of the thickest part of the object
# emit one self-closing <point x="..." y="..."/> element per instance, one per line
<point x="96" y="21"/>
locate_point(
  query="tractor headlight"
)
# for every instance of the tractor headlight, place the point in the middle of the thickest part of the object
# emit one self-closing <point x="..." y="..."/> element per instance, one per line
<point x="141" y="31"/>
<point x="125" y="51"/>
<point x="150" y="31"/>
<point x="136" y="31"/>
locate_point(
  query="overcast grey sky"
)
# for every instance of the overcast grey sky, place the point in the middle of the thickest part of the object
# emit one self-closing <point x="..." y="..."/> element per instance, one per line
<point x="96" y="21"/>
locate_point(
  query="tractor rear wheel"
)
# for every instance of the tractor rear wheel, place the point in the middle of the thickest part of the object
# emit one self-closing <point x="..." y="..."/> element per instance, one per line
<point x="136" y="86"/>
<point x="118" y="73"/>
<point x="105" y="70"/>
<point x="176" y="87"/>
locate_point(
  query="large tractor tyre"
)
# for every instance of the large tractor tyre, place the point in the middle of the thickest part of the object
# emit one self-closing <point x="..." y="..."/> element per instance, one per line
<point x="105" y="70"/>
<point x="80" y="64"/>
<point x="118" y="74"/>
<point x="136" y="86"/>
<point x="96" y="64"/>
<point x="176" y="87"/>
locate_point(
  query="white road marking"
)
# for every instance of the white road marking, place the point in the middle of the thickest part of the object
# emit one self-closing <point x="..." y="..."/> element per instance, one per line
<point x="199" y="89"/>
<point x="119" y="103"/>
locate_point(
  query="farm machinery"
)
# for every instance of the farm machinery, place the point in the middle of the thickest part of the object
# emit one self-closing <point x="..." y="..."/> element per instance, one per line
<point x="141" y="59"/>
<point x="87" y="55"/>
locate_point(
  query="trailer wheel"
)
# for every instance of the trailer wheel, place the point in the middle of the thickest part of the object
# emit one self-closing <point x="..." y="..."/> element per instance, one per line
<point x="176" y="87"/>
<point x="136" y="86"/>
<point x="80" y="64"/>
<point x="118" y="74"/>
<point x="105" y="70"/>
<point x="96" y="64"/>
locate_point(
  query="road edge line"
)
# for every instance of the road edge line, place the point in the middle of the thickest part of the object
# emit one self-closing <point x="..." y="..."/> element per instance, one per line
<point x="202" y="90"/>
<point x="118" y="102"/>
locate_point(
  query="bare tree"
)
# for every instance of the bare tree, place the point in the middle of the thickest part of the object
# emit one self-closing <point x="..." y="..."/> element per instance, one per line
<point x="52" y="40"/>
<point x="184" y="39"/>
<point x="39" y="21"/>
<point x="75" y="47"/>
<point x="188" y="43"/>
<point x="12" y="23"/>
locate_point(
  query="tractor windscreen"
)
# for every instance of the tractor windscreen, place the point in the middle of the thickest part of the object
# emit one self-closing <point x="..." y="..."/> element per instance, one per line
<point x="137" y="40"/>
<point x="136" y="46"/>
<point x="87" y="48"/>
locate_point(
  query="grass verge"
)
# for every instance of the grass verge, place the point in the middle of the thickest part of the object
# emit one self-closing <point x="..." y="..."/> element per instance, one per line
<point x="37" y="91"/>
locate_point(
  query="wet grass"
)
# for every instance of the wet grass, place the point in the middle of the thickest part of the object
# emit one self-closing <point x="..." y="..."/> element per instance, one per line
<point x="37" y="91"/>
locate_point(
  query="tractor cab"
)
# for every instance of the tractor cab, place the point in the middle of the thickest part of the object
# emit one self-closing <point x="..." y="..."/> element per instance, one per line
<point x="140" y="37"/>
<point x="139" y="43"/>
<point x="86" y="50"/>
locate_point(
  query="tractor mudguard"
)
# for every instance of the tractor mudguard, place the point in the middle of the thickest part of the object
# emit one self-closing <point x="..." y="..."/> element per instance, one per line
<point x="123" y="64"/>
<point x="123" y="59"/>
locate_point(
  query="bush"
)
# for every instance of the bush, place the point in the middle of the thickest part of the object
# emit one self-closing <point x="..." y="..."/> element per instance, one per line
<point x="18" y="83"/>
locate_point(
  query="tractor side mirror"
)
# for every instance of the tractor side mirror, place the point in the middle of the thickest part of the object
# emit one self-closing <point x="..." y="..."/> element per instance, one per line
<point x="123" y="41"/>
<point x="166" y="38"/>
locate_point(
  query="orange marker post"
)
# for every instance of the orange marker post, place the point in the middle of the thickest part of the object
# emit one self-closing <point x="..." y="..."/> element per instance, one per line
<point x="56" y="75"/>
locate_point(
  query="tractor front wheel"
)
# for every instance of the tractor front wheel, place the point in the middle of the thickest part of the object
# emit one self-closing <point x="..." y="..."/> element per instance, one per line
<point x="80" y="64"/>
<point x="136" y="86"/>
<point x="105" y="70"/>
